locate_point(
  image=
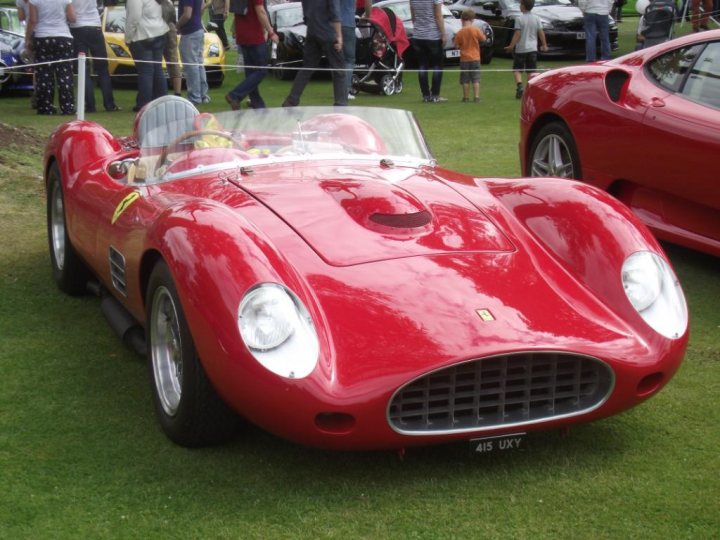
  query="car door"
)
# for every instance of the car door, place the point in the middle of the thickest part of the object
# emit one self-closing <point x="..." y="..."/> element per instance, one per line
<point x="682" y="130"/>
<point x="500" y="15"/>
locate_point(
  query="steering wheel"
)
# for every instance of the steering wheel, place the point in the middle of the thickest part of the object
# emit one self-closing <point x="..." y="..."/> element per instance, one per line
<point x="192" y="134"/>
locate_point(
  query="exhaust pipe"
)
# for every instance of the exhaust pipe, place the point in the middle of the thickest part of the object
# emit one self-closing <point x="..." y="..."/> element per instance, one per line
<point x="123" y="324"/>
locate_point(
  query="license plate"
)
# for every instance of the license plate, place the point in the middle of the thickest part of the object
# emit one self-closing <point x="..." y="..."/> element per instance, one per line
<point x="452" y="53"/>
<point x="580" y="35"/>
<point x="500" y="443"/>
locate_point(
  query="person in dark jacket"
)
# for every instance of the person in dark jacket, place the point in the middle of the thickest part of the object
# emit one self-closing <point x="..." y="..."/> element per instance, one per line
<point x="324" y="36"/>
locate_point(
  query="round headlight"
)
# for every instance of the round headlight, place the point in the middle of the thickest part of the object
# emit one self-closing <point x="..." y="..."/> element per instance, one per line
<point x="654" y="291"/>
<point x="266" y="318"/>
<point x="642" y="279"/>
<point x="278" y="330"/>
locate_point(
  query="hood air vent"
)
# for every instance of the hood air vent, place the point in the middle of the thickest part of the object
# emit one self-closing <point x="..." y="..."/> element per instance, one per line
<point x="402" y="221"/>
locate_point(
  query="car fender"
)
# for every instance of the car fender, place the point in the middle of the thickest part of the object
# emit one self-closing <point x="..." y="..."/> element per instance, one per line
<point x="215" y="256"/>
<point x="588" y="232"/>
<point x="77" y="146"/>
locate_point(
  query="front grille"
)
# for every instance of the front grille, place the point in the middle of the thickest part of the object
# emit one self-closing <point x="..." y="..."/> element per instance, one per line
<point x="501" y="391"/>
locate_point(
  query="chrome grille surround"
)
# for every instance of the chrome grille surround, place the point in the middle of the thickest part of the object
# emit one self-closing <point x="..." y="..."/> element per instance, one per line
<point x="500" y="391"/>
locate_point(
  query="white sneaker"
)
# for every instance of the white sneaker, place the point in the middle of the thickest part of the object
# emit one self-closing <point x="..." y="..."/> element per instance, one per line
<point x="351" y="96"/>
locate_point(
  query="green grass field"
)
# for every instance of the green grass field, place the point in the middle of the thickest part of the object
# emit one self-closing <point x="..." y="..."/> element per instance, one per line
<point x="81" y="455"/>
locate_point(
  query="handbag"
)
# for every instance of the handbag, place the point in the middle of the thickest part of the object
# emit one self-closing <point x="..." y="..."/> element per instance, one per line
<point x="239" y="7"/>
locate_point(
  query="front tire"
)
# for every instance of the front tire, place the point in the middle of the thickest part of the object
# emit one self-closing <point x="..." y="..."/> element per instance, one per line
<point x="189" y="410"/>
<point x="69" y="271"/>
<point x="553" y="153"/>
<point x="487" y="56"/>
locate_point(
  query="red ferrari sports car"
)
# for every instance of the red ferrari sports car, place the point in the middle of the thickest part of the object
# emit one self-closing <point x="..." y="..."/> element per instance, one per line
<point x="315" y="272"/>
<point x="644" y="127"/>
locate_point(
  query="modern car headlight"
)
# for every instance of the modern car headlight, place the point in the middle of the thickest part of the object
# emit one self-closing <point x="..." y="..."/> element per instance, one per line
<point x="654" y="291"/>
<point x="278" y="331"/>
<point x="119" y="51"/>
<point x="214" y="50"/>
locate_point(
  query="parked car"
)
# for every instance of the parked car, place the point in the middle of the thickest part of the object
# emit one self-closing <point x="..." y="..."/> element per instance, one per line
<point x="122" y="66"/>
<point x="644" y="127"/>
<point x="13" y="74"/>
<point x="317" y="273"/>
<point x="562" y="23"/>
<point x="452" y="25"/>
<point x="288" y="23"/>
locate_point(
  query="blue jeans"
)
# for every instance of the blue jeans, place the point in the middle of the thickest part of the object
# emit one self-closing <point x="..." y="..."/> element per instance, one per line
<point x="148" y="62"/>
<point x="429" y="54"/>
<point x="255" y="60"/>
<point x="597" y="25"/>
<point x="191" y="55"/>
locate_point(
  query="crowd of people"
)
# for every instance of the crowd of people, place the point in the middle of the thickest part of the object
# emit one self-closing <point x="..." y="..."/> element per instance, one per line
<point x="58" y="30"/>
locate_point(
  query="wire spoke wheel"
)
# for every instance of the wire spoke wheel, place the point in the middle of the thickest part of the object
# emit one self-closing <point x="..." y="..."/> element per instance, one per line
<point x="57" y="225"/>
<point x="166" y="350"/>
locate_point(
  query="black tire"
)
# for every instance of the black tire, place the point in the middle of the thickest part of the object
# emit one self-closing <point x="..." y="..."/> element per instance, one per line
<point x="355" y="85"/>
<point x="553" y="153"/>
<point x="282" y="72"/>
<point x="69" y="271"/>
<point x="487" y="56"/>
<point x="189" y="410"/>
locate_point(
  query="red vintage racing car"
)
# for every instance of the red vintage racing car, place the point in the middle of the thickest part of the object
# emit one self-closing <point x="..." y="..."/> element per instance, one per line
<point x="315" y="272"/>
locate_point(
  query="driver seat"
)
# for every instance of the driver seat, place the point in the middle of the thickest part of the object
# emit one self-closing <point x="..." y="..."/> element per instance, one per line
<point x="163" y="120"/>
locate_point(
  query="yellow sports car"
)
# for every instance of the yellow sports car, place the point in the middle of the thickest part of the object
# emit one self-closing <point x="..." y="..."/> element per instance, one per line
<point x="120" y="61"/>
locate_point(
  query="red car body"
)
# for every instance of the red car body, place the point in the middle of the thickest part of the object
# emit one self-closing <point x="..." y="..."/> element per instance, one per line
<point x="644" y="127"/>
<point x="411" y="275"/>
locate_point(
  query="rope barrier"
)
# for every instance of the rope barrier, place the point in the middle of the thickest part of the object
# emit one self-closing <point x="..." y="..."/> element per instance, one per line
<point x="83" y="58"/>
<point x="279" y="66"/>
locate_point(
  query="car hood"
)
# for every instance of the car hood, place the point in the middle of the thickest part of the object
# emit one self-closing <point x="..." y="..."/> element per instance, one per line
<point x="351" y="215"/>
<point x="557" y="13"/>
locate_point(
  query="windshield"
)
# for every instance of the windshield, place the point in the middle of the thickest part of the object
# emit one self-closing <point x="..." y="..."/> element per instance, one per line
<point x="287" y="17"/>
<point x="204" y="142"/>
<point x="115" y="20"/>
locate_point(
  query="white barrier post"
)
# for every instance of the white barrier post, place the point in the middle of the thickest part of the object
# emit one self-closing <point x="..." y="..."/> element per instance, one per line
<point x="80" y="109"/>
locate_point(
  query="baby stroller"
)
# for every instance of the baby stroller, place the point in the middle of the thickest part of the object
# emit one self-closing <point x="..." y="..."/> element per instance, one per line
<point x="380" y="45"/>
<point x="656" y="23"/>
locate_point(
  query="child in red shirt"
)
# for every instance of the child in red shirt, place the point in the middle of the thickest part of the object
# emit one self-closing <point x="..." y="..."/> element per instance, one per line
<point x="468" y="40"/>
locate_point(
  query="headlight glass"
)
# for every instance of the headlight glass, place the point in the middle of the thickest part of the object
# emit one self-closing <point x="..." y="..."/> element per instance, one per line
<point x="214" y="50"/>
<point x="654" y="291"/>
<point x="278" y="330"/>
